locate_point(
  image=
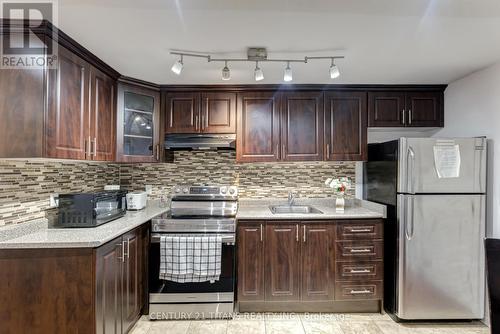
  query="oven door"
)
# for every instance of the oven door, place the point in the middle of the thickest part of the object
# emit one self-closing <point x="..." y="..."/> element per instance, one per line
<point x="163" y="291"/>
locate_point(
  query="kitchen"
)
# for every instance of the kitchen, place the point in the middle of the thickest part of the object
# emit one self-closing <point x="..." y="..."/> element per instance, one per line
<point x="343" y="181"/>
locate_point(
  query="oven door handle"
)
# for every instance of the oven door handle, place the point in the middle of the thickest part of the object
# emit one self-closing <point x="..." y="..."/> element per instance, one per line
<point x="226" y="239"/>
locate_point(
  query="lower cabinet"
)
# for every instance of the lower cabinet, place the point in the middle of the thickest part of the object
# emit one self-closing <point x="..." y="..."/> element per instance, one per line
<point x="293" y="265"/>
<point x="120" y="271"/>
<point x="75" y="290"/>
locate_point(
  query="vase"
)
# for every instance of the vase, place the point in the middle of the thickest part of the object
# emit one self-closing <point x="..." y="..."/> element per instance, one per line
<point x="340" y="203"/>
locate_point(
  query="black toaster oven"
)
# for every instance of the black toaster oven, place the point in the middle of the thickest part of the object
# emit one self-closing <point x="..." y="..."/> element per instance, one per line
<point x="91" y="209"/>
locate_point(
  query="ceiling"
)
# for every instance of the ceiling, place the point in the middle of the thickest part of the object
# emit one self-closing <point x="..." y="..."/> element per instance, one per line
<point x="384" y="41"/>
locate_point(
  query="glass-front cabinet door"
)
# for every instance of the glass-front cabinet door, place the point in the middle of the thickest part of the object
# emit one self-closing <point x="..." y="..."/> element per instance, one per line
<point x="139" y="137"/>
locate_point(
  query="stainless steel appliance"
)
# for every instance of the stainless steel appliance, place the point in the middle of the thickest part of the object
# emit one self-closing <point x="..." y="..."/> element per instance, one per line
<point x="90" y="209"/>
<point x="434" y="256"/>
<point x="200" y="141"/>
<point x="205" y="210"/>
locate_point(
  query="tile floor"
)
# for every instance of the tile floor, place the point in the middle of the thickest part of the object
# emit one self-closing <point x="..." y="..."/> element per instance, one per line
<point x="304" y="324"/>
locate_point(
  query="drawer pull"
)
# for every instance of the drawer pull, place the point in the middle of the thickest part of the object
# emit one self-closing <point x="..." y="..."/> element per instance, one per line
<point x="360" y="230"/>
<point x="359" y="271"/>
<point x="365" y="250"/>
<point x="360" y="292"/>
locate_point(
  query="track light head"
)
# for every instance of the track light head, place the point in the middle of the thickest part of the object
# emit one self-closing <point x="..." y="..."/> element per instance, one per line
<point x="177" y="67"/>
<point x="258" y="74"/>
<point x="288" y="76"/>
<point x="226" y="73"/>
<point x="334" y="70"/>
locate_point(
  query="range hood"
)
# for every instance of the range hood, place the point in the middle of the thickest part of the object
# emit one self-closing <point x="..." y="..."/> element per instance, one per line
<point x="200" y="141"/>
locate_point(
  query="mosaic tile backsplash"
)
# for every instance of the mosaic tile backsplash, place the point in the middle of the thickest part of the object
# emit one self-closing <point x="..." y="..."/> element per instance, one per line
<point x="255" y="180"/>
<point x="25" y="186"/>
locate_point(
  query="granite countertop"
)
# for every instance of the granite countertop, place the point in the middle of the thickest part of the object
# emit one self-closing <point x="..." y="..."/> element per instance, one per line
<point x="355" y="209"/>
<point x="37" y="234"/>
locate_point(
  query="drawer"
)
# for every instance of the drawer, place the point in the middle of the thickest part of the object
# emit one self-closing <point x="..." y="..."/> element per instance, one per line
<point x="358" y="290"/>
<point x="360" y="229"/>
<point x="362" y="250"/>
<point x="352" y="271"/>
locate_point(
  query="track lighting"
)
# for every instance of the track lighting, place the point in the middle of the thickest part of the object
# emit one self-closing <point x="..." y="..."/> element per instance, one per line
<point x="226" y="73"/>
<point x="177" y="67"/>
<point x="258" y="74"/>
<point x="288" y="73"/>
<point x="334" y="70"/>
<point x="255" y="55"/>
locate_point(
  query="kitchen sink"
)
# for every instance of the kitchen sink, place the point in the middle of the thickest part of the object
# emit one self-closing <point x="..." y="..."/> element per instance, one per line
<point x="300" y="209"/>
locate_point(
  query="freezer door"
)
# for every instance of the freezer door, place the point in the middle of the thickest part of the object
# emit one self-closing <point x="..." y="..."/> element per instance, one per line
<point x="441" y="257"/>
<point x="417" y="169"/>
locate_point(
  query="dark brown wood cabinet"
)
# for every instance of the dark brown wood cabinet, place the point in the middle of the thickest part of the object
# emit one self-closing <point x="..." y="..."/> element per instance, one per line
<point x="258" y="135"/>
<point x="68" y="115"/>
<point x="406" y="109"/>
<point x="251" y="261"/>
<point x="81" y="290"/>
<point x="310" y="265"/>
<point x="345" y="126"/>
<point x="282" y="261"/>
<point x="103" y="115"/>
<point x="120" y="278"/>
<point x="200" y="112"/>
<point x="302" y="126"/>
<point x="139" y="134"/>
<point x="317" y="264"/>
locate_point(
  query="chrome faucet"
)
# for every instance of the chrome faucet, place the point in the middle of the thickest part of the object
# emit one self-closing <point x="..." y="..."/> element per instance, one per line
<point x="291" y="198"/>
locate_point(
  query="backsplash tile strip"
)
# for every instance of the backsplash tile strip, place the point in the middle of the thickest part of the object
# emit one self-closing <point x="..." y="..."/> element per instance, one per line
<point x="25" y="185"/>
<point x="255" y="180"/>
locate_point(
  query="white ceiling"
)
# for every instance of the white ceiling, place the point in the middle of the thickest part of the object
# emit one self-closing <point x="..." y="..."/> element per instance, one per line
<point x="384" y="41"/>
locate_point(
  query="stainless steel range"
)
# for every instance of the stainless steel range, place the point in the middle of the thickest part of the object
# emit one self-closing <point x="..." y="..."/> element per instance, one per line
<point x="198" y="210"/>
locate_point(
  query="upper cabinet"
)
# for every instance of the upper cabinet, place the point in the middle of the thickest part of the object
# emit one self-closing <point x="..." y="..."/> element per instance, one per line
<point x="139" y="138"/>
<point x="345" y="126"/>
<point x="406" y="109"/>
<point x="258" y="135"/>
<point x="302" y="126"/>
<point x="200" y="112"/>
<point x="80" y="112"/>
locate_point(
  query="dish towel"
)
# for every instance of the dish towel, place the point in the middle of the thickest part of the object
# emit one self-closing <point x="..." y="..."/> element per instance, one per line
<point x="186" y="259"/>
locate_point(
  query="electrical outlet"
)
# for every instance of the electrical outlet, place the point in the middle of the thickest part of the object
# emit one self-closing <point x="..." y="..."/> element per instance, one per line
<point x="54" y="200"/>
<point x="149" y="189"/>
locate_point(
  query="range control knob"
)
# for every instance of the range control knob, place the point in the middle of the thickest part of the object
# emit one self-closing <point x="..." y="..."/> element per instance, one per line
<point x="232" y="191"/>
<point x="177" y="190"/>
<point x="185" y="190"/>
<point x="223" y="190"/>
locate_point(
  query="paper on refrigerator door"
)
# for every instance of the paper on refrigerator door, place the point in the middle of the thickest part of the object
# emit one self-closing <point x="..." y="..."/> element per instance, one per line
<point x="447" y="160"/>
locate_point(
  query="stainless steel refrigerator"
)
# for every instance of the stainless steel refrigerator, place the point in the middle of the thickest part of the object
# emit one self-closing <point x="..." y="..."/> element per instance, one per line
<point x="434" y="190"/>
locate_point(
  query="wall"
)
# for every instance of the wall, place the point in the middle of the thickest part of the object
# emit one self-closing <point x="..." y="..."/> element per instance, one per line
<point x="25" y="186"/>
<point x="472" y="108"/>
<point x="255" y="180"/>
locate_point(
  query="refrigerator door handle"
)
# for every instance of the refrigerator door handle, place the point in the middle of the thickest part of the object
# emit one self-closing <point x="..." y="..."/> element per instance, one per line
<point x="409" y="214"/>
<point x="410" y="166"/>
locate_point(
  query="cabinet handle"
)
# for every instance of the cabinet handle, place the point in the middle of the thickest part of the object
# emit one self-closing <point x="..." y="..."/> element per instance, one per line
<point x="283" y="151"/>
<point x="122" y="258"/>
<point x="304" y="234"/>
<point x="90" y="147"/>
<point x="261" y="233"/>
<point x="95" y="146"/>
<point x="157" y="152"/>
<point x="360" y="230"/>
<point x="364" y="250"/>
<point x="297" y="232"/>
<point x="202" y="126"/>
<point x="404" y="117"/>
<point x="278" y="151"/>
<point x="86" y="148"/>
<point x="359" y="271"/>
<point x="409" y="116"/>
<point x="327" y="151"/>
<point x="128" y="248"/>
<point x="196" y="123"/>
<point x="360" y="292"/>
